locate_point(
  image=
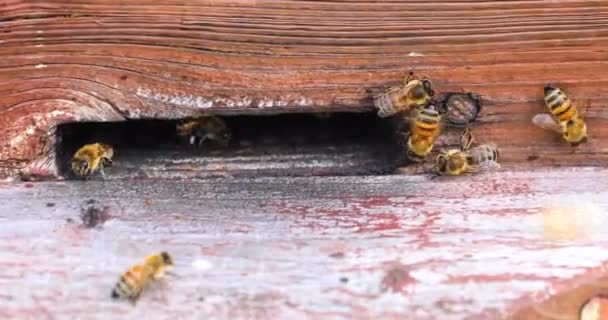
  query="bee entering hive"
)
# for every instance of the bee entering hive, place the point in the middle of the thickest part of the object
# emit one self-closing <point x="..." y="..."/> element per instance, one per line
<point x="245" y="145"/>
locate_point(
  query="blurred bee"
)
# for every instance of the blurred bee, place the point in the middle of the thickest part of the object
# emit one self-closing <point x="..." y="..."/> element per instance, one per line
<point x="414" y="93"/>
<point x="138" y="276"/>
<point x="198" y="130"/>
<point x="564" y="117"/>
<point x="425" y="126"/>
<point x="91" y="158"/>
<point x="455" y="162"/>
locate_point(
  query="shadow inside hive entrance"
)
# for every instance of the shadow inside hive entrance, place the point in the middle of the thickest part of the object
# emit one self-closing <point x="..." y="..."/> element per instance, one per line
<point x="277" y="145"/>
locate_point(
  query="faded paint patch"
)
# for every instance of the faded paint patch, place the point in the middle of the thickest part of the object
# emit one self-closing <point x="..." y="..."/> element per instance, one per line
<point x="578" y="219"/>
<point x="201" y="102"/>
<point x="202" y="264"/>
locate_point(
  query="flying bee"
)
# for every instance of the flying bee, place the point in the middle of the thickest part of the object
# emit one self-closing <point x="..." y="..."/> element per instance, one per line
<point x="425" y="126"/>
<point x="413" y="93"/>
<point x="564" y="117"/>
<point x="198" y="130"/>
<point x="133" y="281"/>
<point x="91" y="158"/>
<point x="455" y="162"/>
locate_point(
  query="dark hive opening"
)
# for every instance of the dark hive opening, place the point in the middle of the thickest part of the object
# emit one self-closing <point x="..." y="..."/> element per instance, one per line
<point x="277" y="145"/>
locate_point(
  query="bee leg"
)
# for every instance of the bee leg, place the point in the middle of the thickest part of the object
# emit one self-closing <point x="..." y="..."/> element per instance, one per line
<point x="466" y="139"/>
<point x="107" y="162"/>
<point x="135" y="297"/>
<point x="163" y="288"/>
<point x="434" y="175"/>
<point x="409" y="77"/>
<point x="475" y="169"/>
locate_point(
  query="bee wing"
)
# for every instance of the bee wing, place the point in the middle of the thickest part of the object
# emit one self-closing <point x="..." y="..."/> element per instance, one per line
<point x="546" y="121"/>
<point x="383" y="101"/>
<point x="489" y="165"/>
<point x="466" y="139"/>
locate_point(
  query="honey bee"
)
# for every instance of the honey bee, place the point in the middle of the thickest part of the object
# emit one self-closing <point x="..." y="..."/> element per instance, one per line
<point x="564" y="117"/>
<point x="200" y="129"/>
<point x="413" y="93"/>
<point x="91" y="158"/>
<point x="133" y="281"/>
<point x="425" y="126"/>
<point x="455" y="162"/>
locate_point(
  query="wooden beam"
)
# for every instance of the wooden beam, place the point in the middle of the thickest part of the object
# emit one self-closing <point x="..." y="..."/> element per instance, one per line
<point x="111" y="61"/>
<point x="520" y="245"/>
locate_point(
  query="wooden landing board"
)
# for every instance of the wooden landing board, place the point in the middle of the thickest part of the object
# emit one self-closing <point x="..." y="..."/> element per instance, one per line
<point x="110" y="61"/>
<point x="483" y="247"/>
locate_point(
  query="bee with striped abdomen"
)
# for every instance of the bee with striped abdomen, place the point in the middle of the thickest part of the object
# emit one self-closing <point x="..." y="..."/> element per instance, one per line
<point x="413" y="93"/>
<point x="198" y="130"/>
<point x="455" y="162"/>
<point x="92" y="158"/>
<point x="133" y="281"/>
<point x="425" y="126"/>
<point x="564" y="118"/>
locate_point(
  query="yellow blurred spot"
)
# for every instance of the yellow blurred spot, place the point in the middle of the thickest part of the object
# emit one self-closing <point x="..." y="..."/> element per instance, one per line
<point x="595" y="309"/>
<point x="577" y="221"/>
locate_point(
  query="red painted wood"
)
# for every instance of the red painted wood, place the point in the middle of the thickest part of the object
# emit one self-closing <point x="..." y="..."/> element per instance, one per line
<point x="487" y="246"/>
<point x="111" y="61"/>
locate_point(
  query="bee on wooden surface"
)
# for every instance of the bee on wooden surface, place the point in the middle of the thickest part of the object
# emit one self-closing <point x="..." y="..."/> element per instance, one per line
<point x="564" y="117"/>
<point x="413" y="93"/>
<point x="133" y="281"/>
<point x="198" y="130"/>
<point x="455" y="162"/>
<point x="425" y="126"/>
<point x="92" y="158"/>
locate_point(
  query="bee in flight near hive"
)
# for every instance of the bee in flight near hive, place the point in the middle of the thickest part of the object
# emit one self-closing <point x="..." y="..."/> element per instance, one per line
<point x="564" y="117"/>
<point x="425" y="126"/>
<point x="198" y="130"/>
<point x="455" y="162"/>
<point x="133" y="281"/>
<point x="92" y="158"/>
<point x="414" y="93"/>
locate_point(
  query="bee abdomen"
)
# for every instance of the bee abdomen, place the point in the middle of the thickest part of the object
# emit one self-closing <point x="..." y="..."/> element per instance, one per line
<point x="122" y="289"/>
<point x="566" y="112"/>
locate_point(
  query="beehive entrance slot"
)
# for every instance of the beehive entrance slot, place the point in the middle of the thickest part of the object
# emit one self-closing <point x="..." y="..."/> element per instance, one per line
<point x="277" y="145"/>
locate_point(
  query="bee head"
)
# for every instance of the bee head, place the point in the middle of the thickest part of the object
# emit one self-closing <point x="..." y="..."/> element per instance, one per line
<point x="550" y="88"/>
<point x="79" y="164"/>
<point x="428" y="87"/>
<point x="418" y="92"/>
<point x="166" y="258"/>
<point x="441" y="164"/>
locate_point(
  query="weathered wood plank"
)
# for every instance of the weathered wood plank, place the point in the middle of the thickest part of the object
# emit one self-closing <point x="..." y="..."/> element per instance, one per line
<point x="480" y="247"/>
<point x="108" y="60"/>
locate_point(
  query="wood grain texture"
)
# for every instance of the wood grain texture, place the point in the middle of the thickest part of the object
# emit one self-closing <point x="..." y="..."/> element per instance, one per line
<point x="111" y="60"/>
<point x="391" y="247"/>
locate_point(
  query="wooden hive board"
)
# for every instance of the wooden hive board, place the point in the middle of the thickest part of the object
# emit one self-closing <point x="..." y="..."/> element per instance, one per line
<point x="523" y="245"/>
<point x="111" y="61"/>
<point x="263" y="254"/>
